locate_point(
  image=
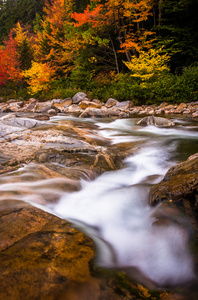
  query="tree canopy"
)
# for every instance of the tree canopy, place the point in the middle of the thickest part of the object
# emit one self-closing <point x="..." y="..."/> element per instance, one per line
<point x="74" y="39"/>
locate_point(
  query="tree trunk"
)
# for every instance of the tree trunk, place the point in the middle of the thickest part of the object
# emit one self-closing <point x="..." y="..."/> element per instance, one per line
<point x="115" y="54"/>
<point x="160" y="12"/>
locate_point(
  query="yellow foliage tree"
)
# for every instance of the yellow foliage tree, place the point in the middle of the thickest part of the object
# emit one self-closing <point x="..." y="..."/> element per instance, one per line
<point x="149" y="63"/>
<point x="38" y="77"/>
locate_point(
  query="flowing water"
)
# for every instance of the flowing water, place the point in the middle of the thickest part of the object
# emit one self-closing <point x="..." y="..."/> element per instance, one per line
<point x="113" y="209"/>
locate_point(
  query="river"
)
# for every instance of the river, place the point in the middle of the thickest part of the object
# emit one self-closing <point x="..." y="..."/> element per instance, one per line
<point x="113" y="208"/>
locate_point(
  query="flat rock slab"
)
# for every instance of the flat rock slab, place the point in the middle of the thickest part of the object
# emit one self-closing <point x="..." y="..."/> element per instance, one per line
<point x="23" y="122"/>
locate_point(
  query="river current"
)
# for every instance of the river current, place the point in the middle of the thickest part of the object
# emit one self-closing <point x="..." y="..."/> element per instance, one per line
<point x="113" y="209"/>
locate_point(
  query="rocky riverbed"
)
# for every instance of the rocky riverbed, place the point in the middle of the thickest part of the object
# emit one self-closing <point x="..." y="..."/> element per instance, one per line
<point x="43" y="256"/>
<point x="82" y="106"/>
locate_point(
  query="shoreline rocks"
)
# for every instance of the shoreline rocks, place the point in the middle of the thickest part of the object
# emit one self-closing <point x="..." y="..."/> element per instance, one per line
<point x="84" y="107"/>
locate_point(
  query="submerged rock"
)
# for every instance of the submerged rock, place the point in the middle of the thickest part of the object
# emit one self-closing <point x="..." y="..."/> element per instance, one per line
<point x="156" y="121"/>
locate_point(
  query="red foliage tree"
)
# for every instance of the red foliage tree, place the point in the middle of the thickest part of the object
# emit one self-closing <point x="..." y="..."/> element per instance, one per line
<point x="9" y="62"/>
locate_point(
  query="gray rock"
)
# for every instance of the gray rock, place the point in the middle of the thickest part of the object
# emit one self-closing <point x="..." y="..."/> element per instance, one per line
<point x="57" y="101"/>
<point x="52" y="112"/>
<point x="22" y="122"/>
<point x="42" y="107"/>
<point x="195" y="114"/>
<point x="78" y="97"/>
<point x="74" y="109"/>
<point x="111" y="102"/>
<point x="156" y="121"/>
<point x="93" y="112"/>
<point x="124" y="105"/>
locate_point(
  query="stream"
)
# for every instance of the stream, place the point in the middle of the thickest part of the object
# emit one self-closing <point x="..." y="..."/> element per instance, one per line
<point x="113" y="208"/>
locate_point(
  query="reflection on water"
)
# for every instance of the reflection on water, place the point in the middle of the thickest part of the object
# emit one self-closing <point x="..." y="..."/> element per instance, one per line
<point x="113" y="209"/>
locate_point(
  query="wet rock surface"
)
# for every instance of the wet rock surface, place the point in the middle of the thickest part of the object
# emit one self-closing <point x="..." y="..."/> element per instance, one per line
<point x="40" y="255"/>
<point x="23" y="140"/>
<point x="180" y="185"/>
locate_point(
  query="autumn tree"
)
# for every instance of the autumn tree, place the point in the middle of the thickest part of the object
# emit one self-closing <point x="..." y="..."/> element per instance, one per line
<point x="149" y="64"/>
<point x="53" y="44"/>
<point x="9" y="61"/>
<point x="124" y="22"/>
<point x="38" y="77"/>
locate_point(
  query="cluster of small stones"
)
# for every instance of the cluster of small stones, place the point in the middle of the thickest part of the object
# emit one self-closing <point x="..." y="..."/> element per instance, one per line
<point x="82" y="106"/>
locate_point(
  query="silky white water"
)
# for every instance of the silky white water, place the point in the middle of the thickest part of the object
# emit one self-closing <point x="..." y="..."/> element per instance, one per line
<point x="113" y="209"/>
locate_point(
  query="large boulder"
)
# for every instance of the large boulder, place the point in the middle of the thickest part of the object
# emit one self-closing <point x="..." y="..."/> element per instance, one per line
<point x="42" y="107"/>
<point x="180" y="185"/>
<point x="78" y="97"/>
<point x="125" y="105"/>
<point x="73" y="109"/>
<point x="156" y="121"/>
<point x="111" y="102"/>
<point x="180" y="108"/>
<point x="94" y="113"/>
<point x="86" y="103"/>
<point x="62" y="104"/>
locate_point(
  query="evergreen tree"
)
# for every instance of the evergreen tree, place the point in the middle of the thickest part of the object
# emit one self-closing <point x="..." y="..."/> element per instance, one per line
<point x="12" y="11"/>
<point x="177" y="30"/>
<point x="25" y="55"/>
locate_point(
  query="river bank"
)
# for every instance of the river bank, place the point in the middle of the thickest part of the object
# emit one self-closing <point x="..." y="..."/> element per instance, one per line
<point x="81" y="106"/>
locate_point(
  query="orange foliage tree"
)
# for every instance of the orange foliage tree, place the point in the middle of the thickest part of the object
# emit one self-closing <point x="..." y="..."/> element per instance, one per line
<point x="53" y="45"/>
<point x="127" y="18"/>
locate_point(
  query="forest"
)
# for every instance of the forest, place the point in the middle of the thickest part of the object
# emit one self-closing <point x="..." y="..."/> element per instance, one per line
<point x="140" y="50"/>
